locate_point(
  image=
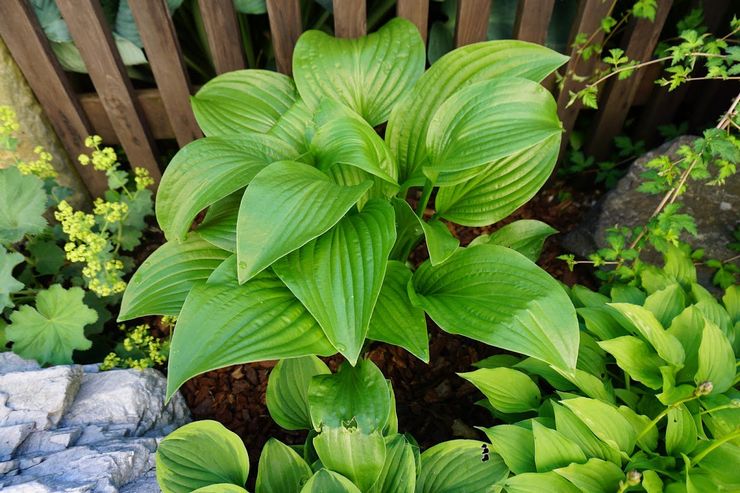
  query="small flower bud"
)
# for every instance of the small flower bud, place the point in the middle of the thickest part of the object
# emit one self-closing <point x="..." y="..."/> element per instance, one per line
<point x="704" y="388"/>
<point x="634" y="477"/>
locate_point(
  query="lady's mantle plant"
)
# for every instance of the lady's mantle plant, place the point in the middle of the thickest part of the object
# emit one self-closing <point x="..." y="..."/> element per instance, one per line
<point x="303" y="247"/>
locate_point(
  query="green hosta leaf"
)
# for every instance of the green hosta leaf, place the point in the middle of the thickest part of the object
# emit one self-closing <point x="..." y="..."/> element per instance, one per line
<point x="716" y="360"/>
<point x="281" y="469"/>
<point x="56" y="327"/>
<point x="221" y="488"/>
<point x="649" y="440"/>
<point x="498" y="296"/>
<point x="250" y="6"/>
<point x="161" y="284"/>
<point x="22" y="205"/>
<point x="666" y="303"/>
<point x="532" y="482"/>
<point x="680" y="434"/>
<point x="515" y="445"/>
<point x="604" y="421"/>
<point x="713" y="310"/>
<point x="219" y="226"/>
<point x="369" y="74"/>
<point x="509" y="391"/>
<point x="636" y="358"/>
<point x="627" y="294"/>
<point x="207" y="170"/>
<point x="408" y="229"/>
<point x="489" y="121"/>
<point x="588" y="298"/>
<point x="407" y="127"/>
<point x="292" y="125"/>
<point x="243" y="101"/>
<point x="687" y="328"/>
<point x="679" y="265"/>
<point x="200" y="454"/>
<point x="595" y="476"/>
<point x="526" y="236"/>
<point x="287" y="391"/>
<point x="601" y="323"/>
<point x="399" y="470"/>
<point x="287" y="205"/>
<point x="352" y="453"/>
<point x="338" y="275"/>
<point x="458" y="465"/>
<point x="552" y="449"/>
<point x="570" y="426"/>
<point x="652" y="482"/>
<point x="9" y="284"/>
<point x="256" y="321"/>
<point x="356" y="394"/>
<point x="440" y="242"/>
<point x="395" y="320"/>
<point x="667" y="346"/>
<point x="325" y="481"/>
<point x="731" y="300"/>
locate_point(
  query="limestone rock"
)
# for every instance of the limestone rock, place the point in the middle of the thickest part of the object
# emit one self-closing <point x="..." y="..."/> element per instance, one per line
<point x="11" y="437"/>
<point x="11" y="362"/>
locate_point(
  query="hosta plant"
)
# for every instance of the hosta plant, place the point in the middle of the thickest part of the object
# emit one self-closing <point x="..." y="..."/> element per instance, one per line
<point x="304" y="244"/>
<point x="652" y="406"/>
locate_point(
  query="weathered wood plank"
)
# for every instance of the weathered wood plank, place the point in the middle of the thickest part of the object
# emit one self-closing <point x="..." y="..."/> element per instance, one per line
<point x="350" y="18"/>
<point x="533" y="19"/>
<point x="417" y="11"/>
<point x="163" y="51"/>
<point x="94" y="40"/>
<point x="618" y="96"/>
<point x="222" y="30"/>
<point x="31" y="51"/>
<point x="472" y="21"/>
<point x="285" y="28"/>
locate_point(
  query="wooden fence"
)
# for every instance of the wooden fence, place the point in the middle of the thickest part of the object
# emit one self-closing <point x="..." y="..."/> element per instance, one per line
<point x="136" y="119"/>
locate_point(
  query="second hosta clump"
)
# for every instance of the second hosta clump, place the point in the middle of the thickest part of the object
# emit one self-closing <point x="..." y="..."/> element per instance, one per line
<point x="303" y="248"/>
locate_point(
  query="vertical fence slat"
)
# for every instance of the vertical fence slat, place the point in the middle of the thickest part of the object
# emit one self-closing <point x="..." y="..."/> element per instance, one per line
<point x="163" y="51"/>
<point x="417" y="11"/>
<point x="93" y="38"/>
<point x="224" y="38"/>
<point x="471" y="25"/>
<point x="285" y="28"/>
<point x="31" y="51"/>
<point x="532" y="20"/>
<point x="350" y="18"/>
<point x="588" y="21"/>
<point x="619" y="95"/>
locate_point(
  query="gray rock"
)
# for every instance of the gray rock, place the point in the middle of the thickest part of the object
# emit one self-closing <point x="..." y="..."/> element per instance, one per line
<point x="145" y="484"/>
<point x="11" y="437"/>
<point x="11" y="362"/>
<point x="46" y="442"/>
<point x="9" y="466"/>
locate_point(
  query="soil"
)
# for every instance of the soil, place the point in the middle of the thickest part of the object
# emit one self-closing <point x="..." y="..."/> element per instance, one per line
<point x="433" y="403"/>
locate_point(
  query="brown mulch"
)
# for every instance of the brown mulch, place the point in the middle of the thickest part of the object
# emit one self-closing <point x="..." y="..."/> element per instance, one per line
<point x="433" y="403"/>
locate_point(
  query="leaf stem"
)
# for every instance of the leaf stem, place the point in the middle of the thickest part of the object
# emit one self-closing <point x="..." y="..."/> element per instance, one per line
<point x="663" y="414"/>
<point x="717" y="443"/>
<point x="425" y="196"/>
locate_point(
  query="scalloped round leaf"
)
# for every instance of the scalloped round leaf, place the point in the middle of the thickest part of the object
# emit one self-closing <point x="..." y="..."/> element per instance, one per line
<point x="368" y="74"/>
<point x="281" y="469"/>
<point x="407" y="127"/>
<point x="459" y="465"/>
<point x="209" y="169"/>
<point x="498" y="296"/>
<point x="287" y="391"/>
<point x="162" y="282"/>
<point x="201" y="454"/>
<point x="325" y="481"/>
<point x="54" y="329"/>
<point x="22" y="205"/>
<point x="8" y="284"/>
<point x="243" y="101"/>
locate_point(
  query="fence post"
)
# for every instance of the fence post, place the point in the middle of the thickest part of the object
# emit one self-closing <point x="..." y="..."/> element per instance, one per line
<point x="285" y="28"/>
<point x="417" y="11"/>
<point x="532" y="20"/>
<point x="471" y="25"/>
<point x="224" y="38"/>
<point x="350" y="18"/>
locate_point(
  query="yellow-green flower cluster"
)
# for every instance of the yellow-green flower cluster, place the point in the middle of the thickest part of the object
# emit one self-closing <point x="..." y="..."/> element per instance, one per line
<point x="143" y="179"/>
<point x="104" y="159"/>
<point x="8" y="122"/>
<point x="112" y="212"/>
<point x="142" y="350"/>
<point x="41" y="167"/>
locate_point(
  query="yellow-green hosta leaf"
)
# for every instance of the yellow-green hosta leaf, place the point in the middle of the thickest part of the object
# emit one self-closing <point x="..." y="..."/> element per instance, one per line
<point x="681" y="434"/>
<point x="209" y="169"/>
<point x="221" y="488"/>
<point x="731" y="300"/>
<point x="526" y="236"/>
<point x="636" y="358"/>
<point x="162" y="282"/>
<point x="399" y="470"/>
<point x="9" y="284"/>
<point x="281" y="469"/>
<point x="22" y="205"/>
<point x="716" y="359"/>
<point x="440" y="241"/>
<point x="200" y="454"/>
<point x="570" y="426"/>
<point x="667" y="346"/>
<point x="508" y="390"/>
<point x="219" y="226"/>
<point x="666" y="303"/>
<point x="243" y="101"/>
<point x="325" y="481"/>
<point x="353" y="454"/>
<point x="285" y="206"/>
<point x="595" y="476"/>
<point x="292" y="125"/>
<point x="407" y="127"/>
<point x="515" y="445"/>
<point x="56" y="327"/>
<point x="534" y="482"/>
<point x="687" y="327"/>
<point x="459" y="465"/>
<point x="287" y="391"/>
<point x="552" y="449"/>
<point x="338" y="275"/>
<point x="368" y="74"/>
<point x="498" y="296"/>
<point x="605" y="421"/>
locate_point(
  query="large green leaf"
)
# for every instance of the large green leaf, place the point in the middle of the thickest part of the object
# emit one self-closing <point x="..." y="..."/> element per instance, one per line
<point x="459" y="465"/>
<point x="243" y="101"/>
<point x="605" y="421"/>
<point x="50" y="332"/>
<point x="200" y="454"/>
<point x="159" y="286"/>
<point x="572" y="427"/>
<point x="395" y="320"/>
<point x="716" y="359"/>
<point x="666" y="303"/>
<point x="325" y="481"/>
<point x="532" y="482"/>
<point x="552" y="449"/>
<point x="595" y="476"/>
<point x="515" y="445"/>
<point x="680" y="433"/>
<point x="209" y="169"/>
<point x="338" y="275"/>
<point x="666" y="345"/>
<point x="369" y="74"/>
<point x="221" y="488"/>
<point x="292" y="125"/>
<point x="399" y="471"/>
<point x="352" y="453"/>
<point x="287" y="205"/>
<point x="281" y="469"/>
<point x="508" y="390"/>
<point x="287" y="391"/>
<point x="355" y="394"/>
<point x="9" y="284"/>
<point x="526" y="236"/>
<point x="637" y="358"/>
<point x="489" y="121"/>
<point x="407" y="127"/>
<point x="219" y="226"/>
<point x="22" y="205"/>
<point x="498" y="296"/>
<point x="224" y="323"/>
<point x="441" y="244"/>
